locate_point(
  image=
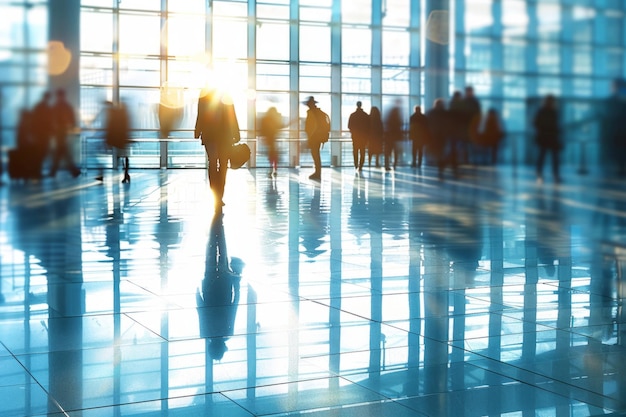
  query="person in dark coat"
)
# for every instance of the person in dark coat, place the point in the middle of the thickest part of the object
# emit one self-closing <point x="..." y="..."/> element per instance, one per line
<point x="547" y="136"/>
<point x="419" y="135"/>
<point x="393" y="135"/>
<point x="117" y="133"/>
<point x="492" y="134"/>
<point x="63" y="122"/>
<point x="359" y="126"/>
<point x="375" y="143"/>
<point x="472" y="112"/>
<point x="439" y="125"/>
<point x="217" y="126"/>
<point x="613" y="133"/>
<point x="457" y="131"/>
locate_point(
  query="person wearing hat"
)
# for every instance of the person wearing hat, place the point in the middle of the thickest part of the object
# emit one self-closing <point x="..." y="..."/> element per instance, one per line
<point x="317" y="133"/>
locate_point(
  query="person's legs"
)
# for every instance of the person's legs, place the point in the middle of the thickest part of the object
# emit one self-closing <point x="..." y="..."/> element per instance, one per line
<point x="361" y="157"/>
<point x="273" y="157"/>
<point x="387" y="154"/>
<point x="396" y="152"/>
<point x="355" y="153"/>
<point x="126" y="178"/>
<point x="317" y="161"/>
<point x="215" y="179"/>
<point x="414" y="151"/>
<point x="222" y="169"/>
<point x="420" y="155"/>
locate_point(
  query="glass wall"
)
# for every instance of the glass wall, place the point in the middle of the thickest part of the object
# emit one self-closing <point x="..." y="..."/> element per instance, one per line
<point x="156" y="55"/>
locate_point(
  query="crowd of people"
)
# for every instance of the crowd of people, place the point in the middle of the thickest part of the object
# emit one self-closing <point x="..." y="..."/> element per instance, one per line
<point x="44" y="132"/>
<point x="447" y="134"/>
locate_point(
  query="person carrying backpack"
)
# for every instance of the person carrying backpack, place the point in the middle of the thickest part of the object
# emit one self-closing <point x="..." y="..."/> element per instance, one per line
<point x="317" y="128"/>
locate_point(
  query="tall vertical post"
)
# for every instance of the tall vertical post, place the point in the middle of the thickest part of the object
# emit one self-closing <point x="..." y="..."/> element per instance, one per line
<point x="437" y="50"/>
<point x="377" y="53"/>
<point x="335" y="81"/>
<point x="252" y="110"/>
<point x="1" y="145"/>
<point x="415" y="60"/>
<point x="294" y="82"/>
<point x="64" y="27"/>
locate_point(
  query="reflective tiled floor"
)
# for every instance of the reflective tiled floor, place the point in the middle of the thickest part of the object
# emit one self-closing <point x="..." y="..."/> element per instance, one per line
<point x="385" y="294"/>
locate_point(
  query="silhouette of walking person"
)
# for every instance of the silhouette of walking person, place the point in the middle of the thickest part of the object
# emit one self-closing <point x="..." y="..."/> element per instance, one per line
<point x="472" y="113"/>
<point x="377" y="131"/>
<point x="63" y="121"/>
<point x="439" y="125"/>
<point x="217" y="126"/>
<point x="270" y="124"/>
<point x="492" y="134"/>
<point x="419" y="135"/>
<point x="218" y="300"/>
<point x="393" y="135"/>
<point x="359" y="126"/>
<point x="547" y="136"/>
<point x="117" y="134"/>
<point x="317" y="128"/>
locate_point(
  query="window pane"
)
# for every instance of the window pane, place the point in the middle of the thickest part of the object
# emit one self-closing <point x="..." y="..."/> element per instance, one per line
<point x="514" y="56"/>
<point x="356" y="11"/>
<point x="139" y="72"/>
<point x="397" y="13"/>
<point x="548" y="57"/>
<point x="187" y="6"/>
<point x="230" y="8"/>
<point x="315" y="14"/>
<point x="356" y="79"/>
<point x="96" y="70"/>
<point x="478" y="17"/>
<point x="186" y="35"/>
<point x="478" y="54"/>
<point x="514" y="18"/>
<point x="148" y="43"/>
<point x="395" y="80"/>
<point x="272" y="11"/>
<point x="191" y="73"/>
<point x="356" y="46"/>
<point x="315" y="43"/>
<point x="273" y="41"/>
<point x="100" y="23"/>
<point x="142" y="104"/>
<point x="549" y="16"/>
<point x="395" y="47"/>
<point x="97" y="3"/>
<point x="272" y="77"/>
<point x="140" y="4"/>
<point x="315" y="78"/>
<point x="230" y="39"/>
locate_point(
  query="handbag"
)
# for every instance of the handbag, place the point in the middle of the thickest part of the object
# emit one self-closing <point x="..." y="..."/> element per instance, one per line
<point x="239" y="155"/>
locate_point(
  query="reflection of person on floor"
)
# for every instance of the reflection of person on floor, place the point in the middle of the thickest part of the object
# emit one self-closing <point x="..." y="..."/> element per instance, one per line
<point x="218" y="301"/>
